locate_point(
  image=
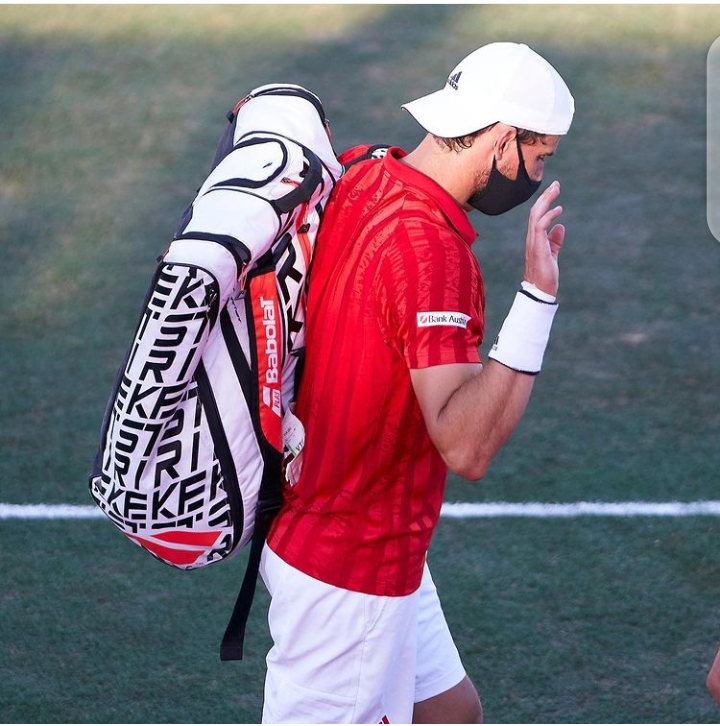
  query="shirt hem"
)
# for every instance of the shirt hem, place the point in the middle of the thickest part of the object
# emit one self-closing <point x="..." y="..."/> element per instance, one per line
<point x="288" y="558"/>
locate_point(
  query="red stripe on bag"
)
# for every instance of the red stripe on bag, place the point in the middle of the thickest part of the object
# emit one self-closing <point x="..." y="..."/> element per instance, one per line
<point x="183" y="536"/>
<point x="176" y="557"/>
<point x="240" y="104"/>
<point x="268" y="343"/>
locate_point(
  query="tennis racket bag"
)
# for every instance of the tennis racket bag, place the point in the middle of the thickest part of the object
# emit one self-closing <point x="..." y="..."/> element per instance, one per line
<point x="190" y="459"/>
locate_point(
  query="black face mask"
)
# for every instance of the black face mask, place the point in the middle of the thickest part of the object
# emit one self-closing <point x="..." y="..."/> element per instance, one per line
<point x="502" y="194"/>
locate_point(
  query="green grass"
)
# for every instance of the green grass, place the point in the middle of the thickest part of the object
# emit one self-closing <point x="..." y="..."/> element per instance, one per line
<point x="110" y="116"/>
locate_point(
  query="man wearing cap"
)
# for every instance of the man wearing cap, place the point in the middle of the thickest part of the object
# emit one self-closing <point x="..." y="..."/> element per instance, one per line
<point x="394" y="394"/>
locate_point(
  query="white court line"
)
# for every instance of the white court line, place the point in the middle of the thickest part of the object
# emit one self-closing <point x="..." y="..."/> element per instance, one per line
<point x="49" y="511"/>
<point x="542" y="510"/>
<point x="456" y="510"/>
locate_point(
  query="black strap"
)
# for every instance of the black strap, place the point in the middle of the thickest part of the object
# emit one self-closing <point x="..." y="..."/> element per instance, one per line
<point x="241" y="254"/>
<point x="294" y="91"/>
<point x="312" y="179"/>
<point x="299" y="370"/>
<point x="227" y="141"/>
<point x="269" y="503"/>
<point x="373" y="152"/>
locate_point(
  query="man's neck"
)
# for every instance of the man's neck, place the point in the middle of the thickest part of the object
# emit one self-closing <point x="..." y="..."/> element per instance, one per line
<point x="442" y="167"/>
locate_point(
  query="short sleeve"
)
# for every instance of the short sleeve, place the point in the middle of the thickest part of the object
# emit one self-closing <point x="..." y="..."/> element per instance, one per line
<point x="430" y="297"/>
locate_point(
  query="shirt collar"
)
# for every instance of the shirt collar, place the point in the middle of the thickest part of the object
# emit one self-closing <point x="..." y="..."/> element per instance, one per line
<point x="455" y="214"/>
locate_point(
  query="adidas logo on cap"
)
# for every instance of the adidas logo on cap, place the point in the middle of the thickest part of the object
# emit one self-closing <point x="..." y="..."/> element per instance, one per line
<point x="454" y="80"/>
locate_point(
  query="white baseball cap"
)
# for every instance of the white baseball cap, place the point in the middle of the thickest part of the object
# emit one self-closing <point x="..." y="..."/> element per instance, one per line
<point x="506" y="82"/>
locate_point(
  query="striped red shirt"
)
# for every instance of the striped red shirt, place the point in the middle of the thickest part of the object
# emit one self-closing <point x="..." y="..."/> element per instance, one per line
<point x="393" y="257"/>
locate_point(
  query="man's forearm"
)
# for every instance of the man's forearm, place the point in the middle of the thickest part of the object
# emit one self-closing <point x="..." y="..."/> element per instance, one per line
<point x="480" y="417"/>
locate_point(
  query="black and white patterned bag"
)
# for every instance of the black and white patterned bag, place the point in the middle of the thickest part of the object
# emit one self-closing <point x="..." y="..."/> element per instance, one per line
<point x="189" y="464"/>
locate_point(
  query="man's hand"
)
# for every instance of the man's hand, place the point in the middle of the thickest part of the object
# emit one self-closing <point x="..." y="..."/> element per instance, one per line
<point x="542" y="244"/>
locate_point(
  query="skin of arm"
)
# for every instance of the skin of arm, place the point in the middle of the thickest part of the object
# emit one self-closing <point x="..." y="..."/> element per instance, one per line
<point x="471" y="410"/>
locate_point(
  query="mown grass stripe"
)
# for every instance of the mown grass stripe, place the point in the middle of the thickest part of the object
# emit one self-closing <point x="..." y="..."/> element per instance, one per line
<point x="454" y="510"/>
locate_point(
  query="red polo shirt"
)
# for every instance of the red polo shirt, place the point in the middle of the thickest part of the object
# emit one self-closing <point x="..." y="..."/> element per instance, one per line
<point x="394" y="286"/>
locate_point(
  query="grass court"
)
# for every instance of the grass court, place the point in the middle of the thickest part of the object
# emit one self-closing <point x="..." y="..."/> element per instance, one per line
<point x="110" y="117"/>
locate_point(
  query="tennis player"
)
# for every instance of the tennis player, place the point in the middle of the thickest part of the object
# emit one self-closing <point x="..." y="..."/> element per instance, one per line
<point x="394" y="394"/>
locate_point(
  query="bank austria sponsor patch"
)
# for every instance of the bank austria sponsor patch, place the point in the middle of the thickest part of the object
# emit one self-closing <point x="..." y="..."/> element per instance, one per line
<point x="429" y="319"/>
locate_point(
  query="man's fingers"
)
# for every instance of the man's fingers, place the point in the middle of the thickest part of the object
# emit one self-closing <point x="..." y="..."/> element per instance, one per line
<point x="549" y="217"/>
<point x="545" y="201"/>
<point x="556" y="237"/>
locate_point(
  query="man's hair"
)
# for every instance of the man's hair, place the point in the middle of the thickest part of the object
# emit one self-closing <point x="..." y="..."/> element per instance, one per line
<point x="459" y="143"/>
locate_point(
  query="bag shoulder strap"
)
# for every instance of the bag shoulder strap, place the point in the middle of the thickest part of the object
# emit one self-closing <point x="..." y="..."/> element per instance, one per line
<point x="265" y="406"/>
<point x="363" y="153"/>
<point x="269" y="503"/>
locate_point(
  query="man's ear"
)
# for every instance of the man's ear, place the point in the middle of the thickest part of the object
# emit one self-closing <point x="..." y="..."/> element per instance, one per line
<point x="504" y="140"/>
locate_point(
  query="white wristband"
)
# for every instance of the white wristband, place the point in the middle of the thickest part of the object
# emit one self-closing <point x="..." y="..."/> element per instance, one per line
<point x="537" y="292"/>
<point x="525" y="333"/>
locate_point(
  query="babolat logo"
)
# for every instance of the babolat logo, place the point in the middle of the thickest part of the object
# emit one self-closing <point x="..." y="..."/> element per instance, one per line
<point x="426" y="320"/>
<point x="271" y="392"/>
<point x="455" y="79"/>
<point x="271" y="339"/>
<point x="271" y="398"/>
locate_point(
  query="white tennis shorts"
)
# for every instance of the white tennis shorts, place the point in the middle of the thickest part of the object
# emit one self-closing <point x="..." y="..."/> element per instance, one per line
<point x="347" y="657"/>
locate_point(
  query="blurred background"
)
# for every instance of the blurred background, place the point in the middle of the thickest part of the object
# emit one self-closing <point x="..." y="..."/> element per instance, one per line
<point x="110" y="116"/>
